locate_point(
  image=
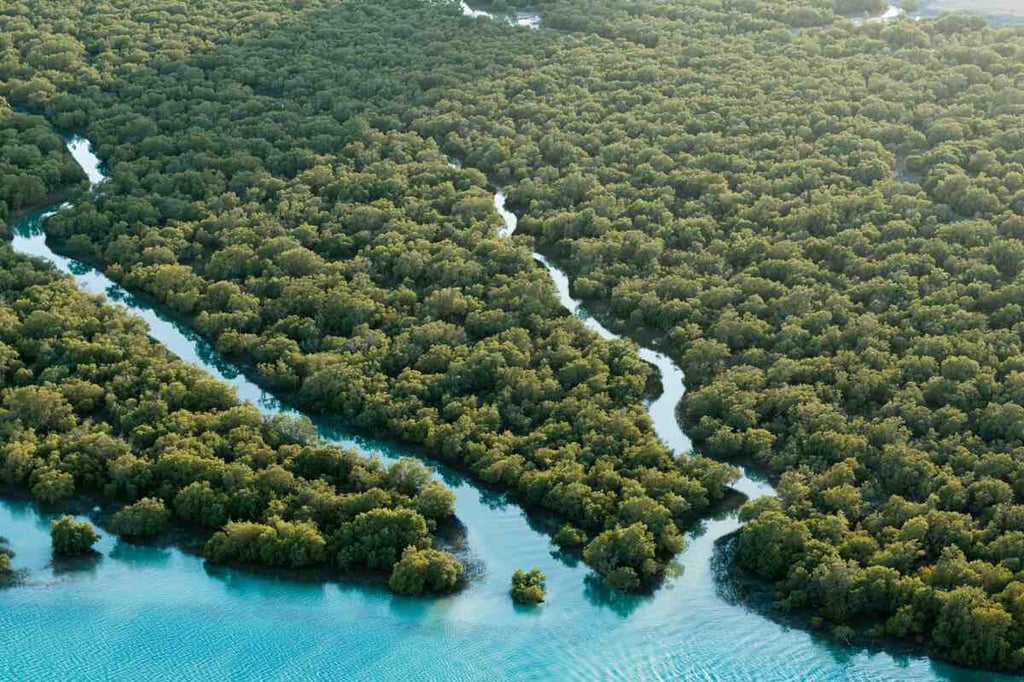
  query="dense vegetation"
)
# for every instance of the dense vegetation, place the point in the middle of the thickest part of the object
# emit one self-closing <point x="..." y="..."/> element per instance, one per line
<point x="146" y="518"/>
<point x="823" y="226"/>
<point x="30" y="169"/>
<point x="528" y="587"/>
<point x="825" y="230"/>
<point x="351" y="264"/>
<point x="425" y="570"/>
<point x="71" y="537"/>
<point x="90" y="405"/>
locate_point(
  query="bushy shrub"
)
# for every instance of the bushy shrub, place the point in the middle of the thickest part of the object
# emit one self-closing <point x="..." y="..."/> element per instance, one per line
<point x="528" y="587"/>
<point x="149" y="516"/>
<point x="425" y="570"/>
<point x="71" y="537"/>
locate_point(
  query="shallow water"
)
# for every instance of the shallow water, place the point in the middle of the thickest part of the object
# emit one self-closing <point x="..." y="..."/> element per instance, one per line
<point x="470" y="12"/>
<point x="526" y="19"/>
<point x="145" y="613"/>
<point x="997" y="11"/>
<point x="992" y="8"/>
<point x="891" y="13"/>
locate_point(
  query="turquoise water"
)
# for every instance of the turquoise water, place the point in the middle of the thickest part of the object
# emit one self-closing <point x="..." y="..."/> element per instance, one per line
<point x="146" y="613"/>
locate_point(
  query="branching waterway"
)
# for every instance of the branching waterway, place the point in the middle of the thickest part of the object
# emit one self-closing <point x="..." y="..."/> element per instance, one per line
<point x="150" y="613"/>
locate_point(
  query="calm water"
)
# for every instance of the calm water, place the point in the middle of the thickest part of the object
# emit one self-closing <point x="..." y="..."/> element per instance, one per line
<point x="993" y="8"/>
<point x="526" y="19"/>
<point x="997" y="11"/>
<point x="142" y="613"/>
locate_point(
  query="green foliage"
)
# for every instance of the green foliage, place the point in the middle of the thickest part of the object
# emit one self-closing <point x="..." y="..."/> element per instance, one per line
<point x="859" y="6"/>
<point x="91" y="405"/>
<point x="570" y="537"/>
<point x="408" y="476"/>
<point x="378" y="537"/>
<point x="972" y="627"/>
<point x="528" y="587"/>
<point x="625" y="557"/>
<point x="199" y="503"/>
<point x="147" y="517"/>
<point x="425" y="570"/>
<point x="71" y="537"/>
<point x="435" y="502"/>
<point x="51" y="485"/>
<point x="321" y="236"/>
<point x="31" y="167"/>
<point x="296" y="544"/>
<point x="772" y="543"/>
<point x="822" y="226"/>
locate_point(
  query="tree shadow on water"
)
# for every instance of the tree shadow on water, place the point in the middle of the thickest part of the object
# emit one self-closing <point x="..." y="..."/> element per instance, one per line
<point x="264" y="582"/>
<point x="449" y="476"/>
<point x="528" y="610"/>
<point x="730" y="584"/>
<point x="85" y="565"/>
<point x="599" y="593"/>
<point x="570" y="559"/>
<point x="492" y="499"/>
<point x="452" y="534"/>
<point x="14" y="578"/>
<point x="737" y="587"/>
<point x="141" y="554"/>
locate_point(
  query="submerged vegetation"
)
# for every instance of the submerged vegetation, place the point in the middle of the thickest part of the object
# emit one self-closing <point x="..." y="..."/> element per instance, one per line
<point x="821" y="222"/>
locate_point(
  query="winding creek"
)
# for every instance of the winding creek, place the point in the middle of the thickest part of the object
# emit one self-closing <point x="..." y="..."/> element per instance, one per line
<point x="663" y="408"/>
<point x="149" y="613"/>
<point x="527" y="19"/>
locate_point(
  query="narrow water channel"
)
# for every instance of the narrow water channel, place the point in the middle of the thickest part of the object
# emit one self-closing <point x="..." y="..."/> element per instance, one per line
<point x="147" y="613"/>
<point x="663" y="408"/>
<point x="527" y="19"/>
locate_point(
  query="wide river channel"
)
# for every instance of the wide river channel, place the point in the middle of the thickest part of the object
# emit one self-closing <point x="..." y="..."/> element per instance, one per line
<point x="148" y="613"/>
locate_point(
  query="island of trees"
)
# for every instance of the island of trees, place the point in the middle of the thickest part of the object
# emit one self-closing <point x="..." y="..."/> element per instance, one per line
<point x="71" y="537"/>
<point x="528" y="587"/>
<point x="822" y="222"/>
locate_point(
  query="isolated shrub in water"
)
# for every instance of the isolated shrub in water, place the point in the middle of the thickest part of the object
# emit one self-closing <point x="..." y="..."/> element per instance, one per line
<point x="528" y="587"/>
<point x="71" y="537"/>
